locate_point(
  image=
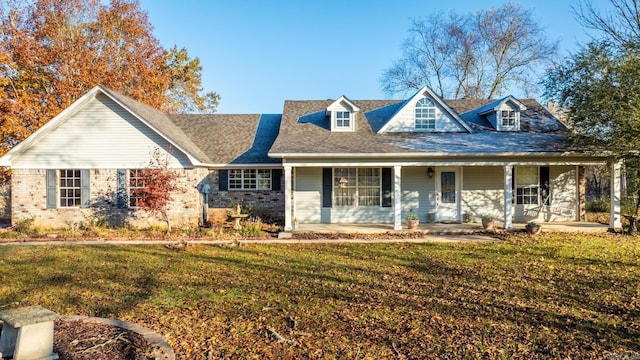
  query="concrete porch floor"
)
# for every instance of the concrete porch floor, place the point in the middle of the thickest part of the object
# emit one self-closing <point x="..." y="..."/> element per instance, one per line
<point x="446" y="228"/>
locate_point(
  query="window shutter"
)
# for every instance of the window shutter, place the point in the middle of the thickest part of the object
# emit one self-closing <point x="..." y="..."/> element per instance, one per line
<point x="545" y="185"/>
<point x="223" y="180"/>
<point x="52" y="198"/>
<point x="386" y="187"/>
<point x="276" y="176"/>
<point x="327" y="187"/>
<point x="121" y="192"/>
<point x="85" y="194"/>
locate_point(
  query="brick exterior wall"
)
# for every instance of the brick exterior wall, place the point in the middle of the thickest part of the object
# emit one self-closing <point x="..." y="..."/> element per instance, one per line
<point x="268" y="205"/>
<point x="28" y="200"/>
<point x="5" y="202"/>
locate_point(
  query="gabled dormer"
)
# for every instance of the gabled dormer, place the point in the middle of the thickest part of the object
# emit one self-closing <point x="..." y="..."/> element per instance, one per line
<point x="425" y="112"/>
<point x="503" y="114"/>
<point x="342" y="113"/>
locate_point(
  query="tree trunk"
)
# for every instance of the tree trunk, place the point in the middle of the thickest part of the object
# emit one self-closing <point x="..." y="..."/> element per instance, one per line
<point x="165" y="215"/>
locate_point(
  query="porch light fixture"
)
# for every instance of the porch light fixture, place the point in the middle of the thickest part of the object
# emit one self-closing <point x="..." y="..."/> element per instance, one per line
<point x="430" y="172"/>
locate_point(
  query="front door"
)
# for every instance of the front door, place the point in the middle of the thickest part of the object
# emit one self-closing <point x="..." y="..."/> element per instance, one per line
<point x="447" y="194"/>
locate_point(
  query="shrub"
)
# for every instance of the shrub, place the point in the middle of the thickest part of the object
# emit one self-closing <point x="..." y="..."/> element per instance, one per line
<point x="252" y="227"/>
<point x="90" y="222"/>
<point x="598" y="205"/>
<point x="24" y="225"/>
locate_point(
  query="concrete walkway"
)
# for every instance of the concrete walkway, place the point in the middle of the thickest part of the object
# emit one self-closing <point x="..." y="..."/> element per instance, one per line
<point x="452" y="228"/>
<point x="422" y="239"/>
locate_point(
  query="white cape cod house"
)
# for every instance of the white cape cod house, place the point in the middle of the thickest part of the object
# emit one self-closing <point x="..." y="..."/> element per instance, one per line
<point x="333" y="161"/>
<point x="373" y="161"/>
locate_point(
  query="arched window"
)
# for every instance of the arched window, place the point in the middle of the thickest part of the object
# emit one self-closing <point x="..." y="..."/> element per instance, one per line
<point x="425" y="117"/>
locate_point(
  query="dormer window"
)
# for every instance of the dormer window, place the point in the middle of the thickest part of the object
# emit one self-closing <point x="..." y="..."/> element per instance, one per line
<point x="425" y="115"/>
<point x="342" y="114"/>
<point x="343" y="120"/>
<point x="508" y="118"/>
<point x="503" y="114"/>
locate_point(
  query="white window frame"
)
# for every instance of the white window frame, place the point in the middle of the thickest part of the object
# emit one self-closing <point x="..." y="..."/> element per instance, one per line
<point x="356" y="186"/>
<point x="339" y="119"/>
<point x="524" y="192"/>
<point x="501" y="119"/>
<point x="69" y="191"/>
<point x="135" y="176"/>
<point x="250" y="179"/>
<point x="424" y="115"/>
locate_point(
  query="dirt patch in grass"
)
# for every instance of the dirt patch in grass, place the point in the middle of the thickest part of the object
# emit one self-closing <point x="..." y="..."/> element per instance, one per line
<point x="79" y="340"/>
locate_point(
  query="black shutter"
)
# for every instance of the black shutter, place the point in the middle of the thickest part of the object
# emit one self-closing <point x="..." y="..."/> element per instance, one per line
<point x="545" y="186"/>
<point x="85" y="193"/>
<point x="327" y="187"/>
<point x="386" y="187"/>
<point x="276" y="178"/>
<point x="121" y="192"/>
<point x="223" y="180"/>
<point x="51" y="179"/>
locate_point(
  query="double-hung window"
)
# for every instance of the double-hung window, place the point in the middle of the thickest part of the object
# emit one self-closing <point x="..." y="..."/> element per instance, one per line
<point x="70" y="188"/>
<point x="250" y="179"/>
<point x="67" y="188"/>
<point x="527" y="185"/>
<point x="356" y="186"/>
<point x="136" y="184"/>
<point x="508" y="118"/>
<point x="343" y="119"/>
<point x="425" y="114"/>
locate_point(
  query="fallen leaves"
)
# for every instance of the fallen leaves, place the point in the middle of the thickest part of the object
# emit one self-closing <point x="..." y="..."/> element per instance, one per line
<point x="555" y="296"/>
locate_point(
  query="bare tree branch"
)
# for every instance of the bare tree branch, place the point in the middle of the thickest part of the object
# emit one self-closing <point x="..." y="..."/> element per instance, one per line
<point x="478" y="55"/>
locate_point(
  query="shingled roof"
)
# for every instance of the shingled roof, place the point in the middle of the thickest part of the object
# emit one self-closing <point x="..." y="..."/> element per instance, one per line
<point x="305" y="130"/>
<point x="232" y="139"/>
<point x="214" y="139"/>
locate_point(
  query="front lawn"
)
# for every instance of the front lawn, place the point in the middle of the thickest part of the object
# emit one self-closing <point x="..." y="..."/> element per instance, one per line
<point x="552" y="296"/>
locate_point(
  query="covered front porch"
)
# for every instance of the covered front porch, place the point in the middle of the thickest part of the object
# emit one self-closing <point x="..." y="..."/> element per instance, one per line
<point x="349" y="193"/>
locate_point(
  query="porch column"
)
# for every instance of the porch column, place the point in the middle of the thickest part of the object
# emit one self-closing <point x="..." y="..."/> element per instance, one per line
<point x="287" y="198"/>
<point x="615" y="222"/>
<point x="508" y="197"/>
<point x="397" y="197"/>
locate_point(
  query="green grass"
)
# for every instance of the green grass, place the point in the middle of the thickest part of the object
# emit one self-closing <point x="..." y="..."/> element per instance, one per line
<point x="551" y="296"/>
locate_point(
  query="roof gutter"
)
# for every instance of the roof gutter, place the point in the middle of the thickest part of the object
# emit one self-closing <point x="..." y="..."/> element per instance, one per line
<point x="428" y="155"/>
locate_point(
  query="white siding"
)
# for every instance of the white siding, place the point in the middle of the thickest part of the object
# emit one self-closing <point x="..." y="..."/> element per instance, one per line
<point x="100" y="135"/>
<point x="357" y="215"/>
<point x="404" y="120"/>
<point x="483" y="191"/>
<point x="308" y="204"/>
<point x="308" y="195"/>
<point x="418" y="192"/>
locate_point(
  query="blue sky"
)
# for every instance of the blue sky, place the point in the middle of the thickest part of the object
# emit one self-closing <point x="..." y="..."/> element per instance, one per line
<point x="256" y="54"/>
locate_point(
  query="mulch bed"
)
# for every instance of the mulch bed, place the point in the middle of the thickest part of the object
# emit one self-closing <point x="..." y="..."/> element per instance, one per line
<point x="80" y="340"/>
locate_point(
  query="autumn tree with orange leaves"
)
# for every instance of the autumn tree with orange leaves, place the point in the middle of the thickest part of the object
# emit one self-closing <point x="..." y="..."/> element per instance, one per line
<point x="158" y="184"/>
<point x="54" y="51"/>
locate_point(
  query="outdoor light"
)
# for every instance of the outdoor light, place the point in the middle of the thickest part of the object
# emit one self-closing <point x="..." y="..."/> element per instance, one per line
<point x="430" y="172"/>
